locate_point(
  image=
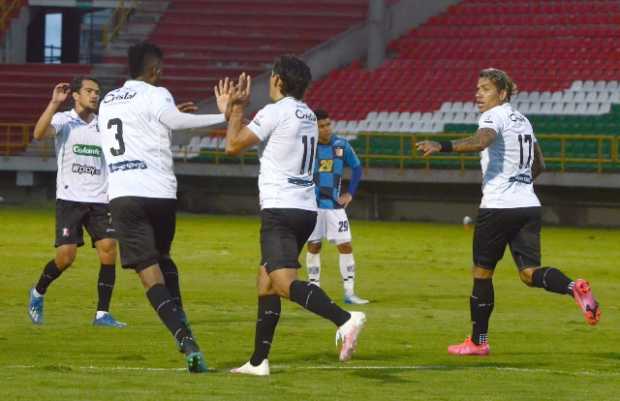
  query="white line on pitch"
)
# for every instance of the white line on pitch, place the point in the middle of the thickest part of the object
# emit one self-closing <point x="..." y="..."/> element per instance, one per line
<point x="324" y="367"/>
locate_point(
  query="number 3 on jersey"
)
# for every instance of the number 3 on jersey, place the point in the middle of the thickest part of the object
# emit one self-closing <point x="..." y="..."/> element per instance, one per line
<point x="119" y="136"/>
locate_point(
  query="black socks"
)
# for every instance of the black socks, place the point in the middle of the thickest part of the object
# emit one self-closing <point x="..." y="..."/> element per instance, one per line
<point x="105" y="286"/>
<point x="269" y="307"/>
<point x="171" y="277"/>
<point x="167" y="310"/>
<point x="552" y="280"/>
<point x="50" y="273"/>
<point x="313" y="298"/>
<point x="481" y="307"/>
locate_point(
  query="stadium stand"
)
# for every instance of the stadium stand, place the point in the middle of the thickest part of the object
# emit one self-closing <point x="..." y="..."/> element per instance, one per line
<point x="205" y="40"/>
<point x="196" y="53"/>
<point x="563" y="55"/>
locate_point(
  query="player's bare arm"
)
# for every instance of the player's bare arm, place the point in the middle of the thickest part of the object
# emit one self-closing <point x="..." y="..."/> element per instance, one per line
<point x="483" y="138"/>
<point x="238" y="136"/>
<point x="538" y="166"/>
<point x="43" y="126"/>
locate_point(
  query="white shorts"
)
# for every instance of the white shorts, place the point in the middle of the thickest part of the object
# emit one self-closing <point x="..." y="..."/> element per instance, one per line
<point x="333" y="225"/>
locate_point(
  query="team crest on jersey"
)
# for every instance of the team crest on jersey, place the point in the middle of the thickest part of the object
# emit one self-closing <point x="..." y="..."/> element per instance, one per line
<point x="65" y="232"/>
<point x="339" y="152"/>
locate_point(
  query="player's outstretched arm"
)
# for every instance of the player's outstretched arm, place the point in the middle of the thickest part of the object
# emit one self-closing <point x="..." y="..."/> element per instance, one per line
<point x="483" y="138"/>
<point x="43" y="127"/>
<point x="238" y="136"/>
<point x="538" y="166"/>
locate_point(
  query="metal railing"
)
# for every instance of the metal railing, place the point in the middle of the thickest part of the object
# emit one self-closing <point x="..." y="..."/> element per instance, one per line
<point x="117" y="21"/>
<point x="407" y="153"/>
<point x="6" y="8"/>
<point x="401" y="153"/>
<point x="14" y="137"/>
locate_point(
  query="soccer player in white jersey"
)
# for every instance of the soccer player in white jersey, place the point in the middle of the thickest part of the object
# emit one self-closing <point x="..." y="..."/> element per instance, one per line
<point x="510" y="212"/>
<point x="81" y="193"/>
<point x="136" y="123"/>
<point x="288" y="133"/>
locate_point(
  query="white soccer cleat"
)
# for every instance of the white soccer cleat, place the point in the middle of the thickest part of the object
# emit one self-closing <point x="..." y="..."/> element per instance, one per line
<point x="355" y="300"/>
<point x="348" y="333"/>
<point x="249" y="369"/>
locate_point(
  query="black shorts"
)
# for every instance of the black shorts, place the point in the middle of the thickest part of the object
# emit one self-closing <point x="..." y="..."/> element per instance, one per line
<point x="144" y="228"/>
<point x="519" y="228"/>
<point x="72" y="216"/>
<point x="283" y="234"/>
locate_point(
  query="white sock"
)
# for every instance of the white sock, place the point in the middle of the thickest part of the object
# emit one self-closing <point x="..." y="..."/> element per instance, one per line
<point x="347" y="271"/>
<point x="36" y="294"/>
<point x="313" y="263"/>
<point x="100" y="314"/>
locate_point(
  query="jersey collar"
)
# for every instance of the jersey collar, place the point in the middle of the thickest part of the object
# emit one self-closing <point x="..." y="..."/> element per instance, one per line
<point x="76" y="116"/>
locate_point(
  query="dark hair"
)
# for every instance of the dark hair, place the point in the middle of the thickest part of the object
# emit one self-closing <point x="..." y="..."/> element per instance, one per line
<point x="321" y="114"/>
<point x="78" y="82"/>
<point x="501" y="80"/>
<point x="295" y="75"/>
<point x="139" y="55"/>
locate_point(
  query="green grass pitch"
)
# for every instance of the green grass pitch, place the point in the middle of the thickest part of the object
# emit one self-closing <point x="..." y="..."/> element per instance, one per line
<point x="417" y="276"/>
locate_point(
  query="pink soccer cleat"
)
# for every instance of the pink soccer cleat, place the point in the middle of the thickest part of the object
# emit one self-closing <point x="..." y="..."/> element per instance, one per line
<point x="584" y="298"/>
<point x="468" y="347"/>
<point x="348" y="333"/>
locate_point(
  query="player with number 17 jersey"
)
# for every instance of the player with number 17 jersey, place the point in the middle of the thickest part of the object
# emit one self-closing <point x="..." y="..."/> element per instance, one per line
<point x="507" y="162"/>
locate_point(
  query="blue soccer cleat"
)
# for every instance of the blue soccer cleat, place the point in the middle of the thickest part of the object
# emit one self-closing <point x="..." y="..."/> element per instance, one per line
<point x="353" y="299"/>
<point x="108" y="320"/>
<point x="195" y="359"/>
<point x="35" y="308"/>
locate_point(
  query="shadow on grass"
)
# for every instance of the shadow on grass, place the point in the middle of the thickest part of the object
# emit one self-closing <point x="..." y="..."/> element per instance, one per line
<point x="607" y="355"/>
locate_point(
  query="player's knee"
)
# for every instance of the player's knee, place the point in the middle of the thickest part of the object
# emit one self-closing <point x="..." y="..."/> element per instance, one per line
<point x="65" y="258"/>
<point x="281" y="288"/>
<point x="345" y="248"/>
<point x="482" y="273"/>
<point x="314" y="247"/>
<point x="526" y="276"/>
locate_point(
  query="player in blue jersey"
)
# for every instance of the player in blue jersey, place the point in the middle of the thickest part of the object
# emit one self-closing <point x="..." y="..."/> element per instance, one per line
<point x="333" y="154"/>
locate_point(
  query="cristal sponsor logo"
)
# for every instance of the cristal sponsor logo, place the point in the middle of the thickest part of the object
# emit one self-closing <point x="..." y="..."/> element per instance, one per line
<point x="84" y="169"/>
<point x="119" y="97"/>
<point x="305" y="115"/>
<point x="87" y="150"/>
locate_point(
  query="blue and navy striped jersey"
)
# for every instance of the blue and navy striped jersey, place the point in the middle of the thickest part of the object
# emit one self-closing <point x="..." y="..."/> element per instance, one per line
<point x="331" y="160"/>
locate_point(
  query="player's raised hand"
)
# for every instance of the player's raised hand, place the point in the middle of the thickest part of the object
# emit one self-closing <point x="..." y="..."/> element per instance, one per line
<point x="61" y="92"/>
<point x="345" y="199"/>
<point x="187" y="107"/>
<point x="242" y="89"/>
<point x="428" y="147"/>
<point x="222" y="94"/>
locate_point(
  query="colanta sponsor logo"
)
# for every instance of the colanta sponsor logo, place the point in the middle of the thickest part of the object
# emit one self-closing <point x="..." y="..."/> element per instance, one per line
<point x="77" y="168"/>
<point x="87" y="150"/>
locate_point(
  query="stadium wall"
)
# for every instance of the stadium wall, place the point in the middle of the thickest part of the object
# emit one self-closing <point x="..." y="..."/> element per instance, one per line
<point x="440" y="196"/>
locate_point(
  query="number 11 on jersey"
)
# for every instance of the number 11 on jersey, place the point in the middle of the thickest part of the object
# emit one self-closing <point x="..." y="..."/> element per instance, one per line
<point x="307" y="168"/>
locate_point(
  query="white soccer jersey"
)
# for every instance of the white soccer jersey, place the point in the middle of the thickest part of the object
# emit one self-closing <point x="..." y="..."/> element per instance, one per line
<point x="289" y="132"/>
<point x="135" y="143"/>
<point x="507" y="164"/>
<point x="81" y="176"/>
